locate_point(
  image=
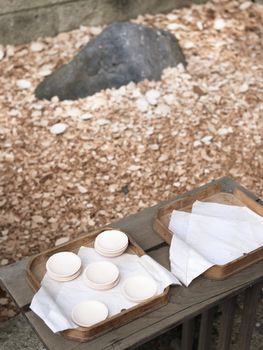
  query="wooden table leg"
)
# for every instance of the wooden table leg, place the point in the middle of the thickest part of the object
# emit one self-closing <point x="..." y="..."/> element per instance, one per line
<point x="188" y="334"/>
<point x="205" y="330"/>
<point x="226" y="323"/>
<point x="251" y="299"/>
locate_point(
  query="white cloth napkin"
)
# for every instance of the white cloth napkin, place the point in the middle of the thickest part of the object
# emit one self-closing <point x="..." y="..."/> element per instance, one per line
<point x="212" y="234"/>
<point x="55" y="300"/>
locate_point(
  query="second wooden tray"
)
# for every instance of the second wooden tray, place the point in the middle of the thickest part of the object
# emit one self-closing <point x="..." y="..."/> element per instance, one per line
<point x="37" y="268"/>
<point x="211" y="193"/>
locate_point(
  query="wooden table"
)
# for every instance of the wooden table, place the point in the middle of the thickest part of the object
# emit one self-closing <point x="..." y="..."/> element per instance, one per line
<point x="183" y="306"/>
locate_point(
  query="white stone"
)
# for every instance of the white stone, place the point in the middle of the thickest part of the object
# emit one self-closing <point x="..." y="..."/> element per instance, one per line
<point x="58" y="128"/>
<point x="162" y="110"/>
<point x="154" y="147"/>
<point x="197" y="143"/>
<point x="152" y="96"/>
<point x="207" y="139"/>
<point x="102" y="122"/>
<point x="189" y="45"/>
<point x="173" y="26"/>
<point x="36" y="46"/>
<point x="169" y="99"/>
<point x="134" y="167"/>
<point x="142" y="105"/>
<point x="86" y="116"/>
<point x="61" y="240"/>
<point x="225" y="131"/>
<point x="163" y="158"/>
<point x="82" y="189"/>
<point x="244" y="87"/>
<point x="97" y="103"/>
<point x="136" y="93"/>
<point x="2" y="52"/>
<point x="44" y="72"/>
<point x="200" y="25"/>
<point x="23" y="84"/>
<point x="219" y="24"/>
<point x="4" y="262"/>
<point x="73" y="112"/>
<point x="245" y="5"/>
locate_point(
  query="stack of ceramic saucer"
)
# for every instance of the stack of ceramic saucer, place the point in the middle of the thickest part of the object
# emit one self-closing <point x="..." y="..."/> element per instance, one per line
<point x="89" y="313"/>
<point x="139" y="288"/>
<point x="111" y="243"/>
<point x="63" y="266"/>
<point x="101" y="275"/>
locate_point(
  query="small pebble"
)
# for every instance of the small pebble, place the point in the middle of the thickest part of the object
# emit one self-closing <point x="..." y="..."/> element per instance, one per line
<point x="61" y="240"/>
<point x="163" y="158"/>
<point x="142" y="105"/>
<point x="152" y="96"/>
<point x="59" y="128"/>
<point x="23" y="84"/>
<point x="134" y="167"/>
<point x="82" y="189"/>
<point x="219" y="24"/>
<point x="244" y="87"/>
<point x="154" y="147"/>
<point x="245" y="5"/>
<point x="2" y="52"/>
<point x="162" y="110"/>
<point x="225" y="131"/>
<point x="73" y="112"/>
<point x="36" y="47"/>
<point x="169" y="99"/>
<point x="4" y="262"/>
<point x="207" y="139"/>
<point x="86" y="116"/>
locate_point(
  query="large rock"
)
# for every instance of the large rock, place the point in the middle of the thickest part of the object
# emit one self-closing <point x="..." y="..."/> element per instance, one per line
<point x="122" y="53"/>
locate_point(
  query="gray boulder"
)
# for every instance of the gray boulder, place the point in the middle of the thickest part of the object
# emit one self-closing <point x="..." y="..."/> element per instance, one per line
<point x="122" y="53"/>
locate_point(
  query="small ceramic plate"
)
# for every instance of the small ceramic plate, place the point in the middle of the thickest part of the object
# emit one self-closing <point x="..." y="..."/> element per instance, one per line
<point x="139" y="288"/>
<point x="101" y="273"/>
<point x="89" y="312"/>
<point x="102" y="286"/>
<point x="108" y="253"/>
<point x="63" y="279"/>
<point x="63" y="264"/>
<point x="112" y="240"/>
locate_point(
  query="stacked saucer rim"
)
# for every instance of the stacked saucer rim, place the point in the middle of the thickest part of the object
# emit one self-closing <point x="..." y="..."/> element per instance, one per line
<point x="112" y="240"/>
<point x="63" y="266"/>
<point x="101" y="275"/>
<point x="108" y="253"/>
<point x="86" y="309"/>
<point x="150" y="282"/>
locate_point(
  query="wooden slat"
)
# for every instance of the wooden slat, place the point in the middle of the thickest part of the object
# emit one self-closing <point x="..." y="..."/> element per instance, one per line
<point x="251" y="299"/>
<point x="205" y="332"/>
<point x="188" y="334"/>
<point x="226" y="323"/>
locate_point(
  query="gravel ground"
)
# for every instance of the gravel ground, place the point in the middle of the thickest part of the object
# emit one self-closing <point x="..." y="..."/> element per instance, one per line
<point x="124" y="149"/>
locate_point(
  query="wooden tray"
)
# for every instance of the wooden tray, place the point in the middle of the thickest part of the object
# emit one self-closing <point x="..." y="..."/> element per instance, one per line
<point x="36" y="270"/>
<point x="211" y="193"/>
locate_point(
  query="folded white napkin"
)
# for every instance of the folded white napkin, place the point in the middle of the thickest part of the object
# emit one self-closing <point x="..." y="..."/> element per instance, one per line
<point x="212" y="234"/>
<point x="55" y="300"/>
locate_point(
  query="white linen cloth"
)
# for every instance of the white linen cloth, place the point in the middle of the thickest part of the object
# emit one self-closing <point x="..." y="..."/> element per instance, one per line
<point x="212" y="234"/>
<point x="55" y="300"/>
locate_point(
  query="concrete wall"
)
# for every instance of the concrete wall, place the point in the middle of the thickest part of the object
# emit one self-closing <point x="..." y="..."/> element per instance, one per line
<point x="25" y="20"/>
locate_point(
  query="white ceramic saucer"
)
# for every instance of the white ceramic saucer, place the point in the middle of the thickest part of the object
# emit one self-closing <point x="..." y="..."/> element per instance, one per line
<point x="139" y="288"/>
<point x="63" y="279"/>
<point x="89" y="313"/>
<point x="112" y="240"/>
<point x="101" y="275"/>
<point x="63" y="264"/>
<point x="109" y="254"/>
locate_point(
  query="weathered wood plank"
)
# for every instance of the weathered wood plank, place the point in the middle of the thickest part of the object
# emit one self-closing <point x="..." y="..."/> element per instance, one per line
<point x="13" y="280"/>
<point x="205" y="331"/>
<point x="251" y="299"/>
<point x="188" y="334"/>
<point x="226" y="323"/>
